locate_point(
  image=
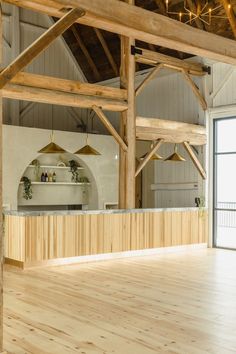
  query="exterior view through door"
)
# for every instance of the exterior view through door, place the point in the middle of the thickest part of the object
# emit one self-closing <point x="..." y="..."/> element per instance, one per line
<point x="225" y="186"/>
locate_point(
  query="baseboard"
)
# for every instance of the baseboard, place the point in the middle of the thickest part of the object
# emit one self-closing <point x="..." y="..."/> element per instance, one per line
<point x="15" y="263"/>
<point x="106" y="256"/>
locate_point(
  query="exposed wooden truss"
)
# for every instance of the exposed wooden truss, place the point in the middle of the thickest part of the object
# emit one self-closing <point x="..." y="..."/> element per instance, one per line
<point x="195" y="89"/>
<point x="70" y="86"/>
<point x="150" y="76"/>
<point x="170" y="131"/>
<point x="164" y="61"/>
<point x="143" y="25"/>
<point x="86" y="53"/>
<point x="195" y="160"/>
<point x="34" y="94"/>
<point x="154" y="58"/>
<point x="110" y="127"/>
<point x="230" y="14"/>
<point x="107" y="51"/>
<point x="149" y="155"/>
<point x="30" y="53"/>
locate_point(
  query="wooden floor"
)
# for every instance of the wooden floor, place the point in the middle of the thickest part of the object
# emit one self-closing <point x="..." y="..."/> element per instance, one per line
<point x="177" y="303"/>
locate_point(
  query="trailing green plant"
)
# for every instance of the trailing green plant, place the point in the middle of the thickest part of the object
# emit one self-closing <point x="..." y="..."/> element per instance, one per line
<point x="201" y="206"/>
<point x="37" y="166"/>
<point x="74" y="170"/>
<point x="27" y="193"/>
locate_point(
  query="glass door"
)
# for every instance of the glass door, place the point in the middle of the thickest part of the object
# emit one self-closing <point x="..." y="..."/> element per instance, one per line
<point x="225" y="183"/>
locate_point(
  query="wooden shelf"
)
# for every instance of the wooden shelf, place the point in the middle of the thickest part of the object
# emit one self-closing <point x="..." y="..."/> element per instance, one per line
<point x="56" y="167"/>
<point x="59" y="183"/>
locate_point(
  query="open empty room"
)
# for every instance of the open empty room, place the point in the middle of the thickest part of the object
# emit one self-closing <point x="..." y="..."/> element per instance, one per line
<point x="117" y="177"/>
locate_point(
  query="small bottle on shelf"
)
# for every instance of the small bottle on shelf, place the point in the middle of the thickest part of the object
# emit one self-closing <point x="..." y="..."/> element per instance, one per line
<point x="54" y="177"/>
<point x="42" y="177"/>
<point x="50" y="177"/>
<point x="46" y="176"/>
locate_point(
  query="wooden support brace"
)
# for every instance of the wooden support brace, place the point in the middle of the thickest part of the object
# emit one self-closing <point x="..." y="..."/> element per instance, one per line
<point x="149" y="156"/>
<point x="110" y="127"/>
<point x="150" y="76"/>
<point x="39" y="45"/>
<point x="195" y="89"/>
<point x="107" y="51"/>
<point x="195" y="160"/>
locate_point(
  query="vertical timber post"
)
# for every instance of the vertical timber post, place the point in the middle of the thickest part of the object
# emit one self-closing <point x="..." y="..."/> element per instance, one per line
<point x="128" y="125"/>
<point x="1" y="215"/>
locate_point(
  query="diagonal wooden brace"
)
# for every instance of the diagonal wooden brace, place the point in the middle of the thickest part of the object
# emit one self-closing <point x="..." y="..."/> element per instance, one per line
<point x="110" y="127"/>
<point x="37" y="47"/>
<point x="149" y="156"/>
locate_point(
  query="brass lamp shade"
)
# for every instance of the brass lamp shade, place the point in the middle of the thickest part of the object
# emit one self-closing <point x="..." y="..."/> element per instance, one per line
<point x="52" y="148"/>
<point x="154" y="157"/>
<point x="176" y="157"/>
<point x="87" y="150"/>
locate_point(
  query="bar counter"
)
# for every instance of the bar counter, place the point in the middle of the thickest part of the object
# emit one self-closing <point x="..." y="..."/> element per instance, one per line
<point x="40" y="238"/>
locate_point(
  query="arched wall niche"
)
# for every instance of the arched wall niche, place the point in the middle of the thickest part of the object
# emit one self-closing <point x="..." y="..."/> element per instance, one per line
<point x="59" y="196"/>
<point x="20" y="148"/>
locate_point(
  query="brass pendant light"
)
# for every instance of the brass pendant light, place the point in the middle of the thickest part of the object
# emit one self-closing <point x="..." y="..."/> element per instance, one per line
<point x="153" y="158"/>
<point x="52" y="148"/>
<point x="87" y="149"/>
<point x="175" y="157"/>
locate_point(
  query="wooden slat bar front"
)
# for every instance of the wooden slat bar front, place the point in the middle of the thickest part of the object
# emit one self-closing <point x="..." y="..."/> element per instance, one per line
<point x="37" y="240"/>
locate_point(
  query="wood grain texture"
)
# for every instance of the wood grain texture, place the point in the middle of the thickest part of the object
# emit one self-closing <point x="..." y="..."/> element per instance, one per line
<point x="30" y="53"/>
<point x="146" y="26"/>
<point x="41" y="238"/>
<point x="181" y="303"/>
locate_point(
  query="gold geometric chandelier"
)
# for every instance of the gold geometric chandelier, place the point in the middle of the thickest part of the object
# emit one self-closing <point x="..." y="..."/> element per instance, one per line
<point x="203" y="13"/>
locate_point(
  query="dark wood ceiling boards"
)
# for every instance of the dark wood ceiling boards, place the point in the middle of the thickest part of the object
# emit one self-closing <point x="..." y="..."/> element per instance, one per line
<point x="98" y="53"/>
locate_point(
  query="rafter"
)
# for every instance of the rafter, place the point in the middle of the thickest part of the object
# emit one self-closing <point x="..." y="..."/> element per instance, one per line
<point x="107" y="51"/>
<point x="230" y="14"/>
<point x="143" y="25"/>
<point x="30" y="53"/>
<point x="86" y="53"/>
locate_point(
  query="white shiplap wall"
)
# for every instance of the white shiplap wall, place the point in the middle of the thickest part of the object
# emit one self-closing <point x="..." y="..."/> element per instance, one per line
<point x="55" y="61"/>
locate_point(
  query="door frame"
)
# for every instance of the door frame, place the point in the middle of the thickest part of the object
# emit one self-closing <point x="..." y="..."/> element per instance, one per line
<point x="217" y="113"/>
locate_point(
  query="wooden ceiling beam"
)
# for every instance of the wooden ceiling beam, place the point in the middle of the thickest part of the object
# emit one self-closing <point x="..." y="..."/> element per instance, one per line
<point x="107" y="51"/>
<point x="86" y="53"/>
<point x="149" y="155"/>
<point x="110" y="127"/>
<point x="230" y="14"/>
<point x="69" y="86"/>
<point x="33" y="94"/>
<point x="154" y="58"/>
<point x="122" y="18"/>
<point x="152" y="129"/>
<point x="38" y="46"/>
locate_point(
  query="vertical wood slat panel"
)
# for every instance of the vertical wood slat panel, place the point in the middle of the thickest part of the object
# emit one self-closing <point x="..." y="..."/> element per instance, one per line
<point x="41" y="238"/>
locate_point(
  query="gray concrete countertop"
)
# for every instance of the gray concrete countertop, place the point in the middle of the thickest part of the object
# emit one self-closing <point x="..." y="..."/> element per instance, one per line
<point x="93" y="212"/>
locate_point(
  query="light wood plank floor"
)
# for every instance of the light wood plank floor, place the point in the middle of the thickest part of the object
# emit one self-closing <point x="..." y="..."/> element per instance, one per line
<point x="177" y="303"/>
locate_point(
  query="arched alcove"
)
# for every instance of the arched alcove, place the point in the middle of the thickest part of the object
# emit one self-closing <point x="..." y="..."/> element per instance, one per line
<point x="62" y="194"/>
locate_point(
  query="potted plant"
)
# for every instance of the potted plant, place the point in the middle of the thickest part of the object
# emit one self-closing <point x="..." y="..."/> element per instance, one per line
<point x="74" y="170"/>
<point x="27" y="193"/>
